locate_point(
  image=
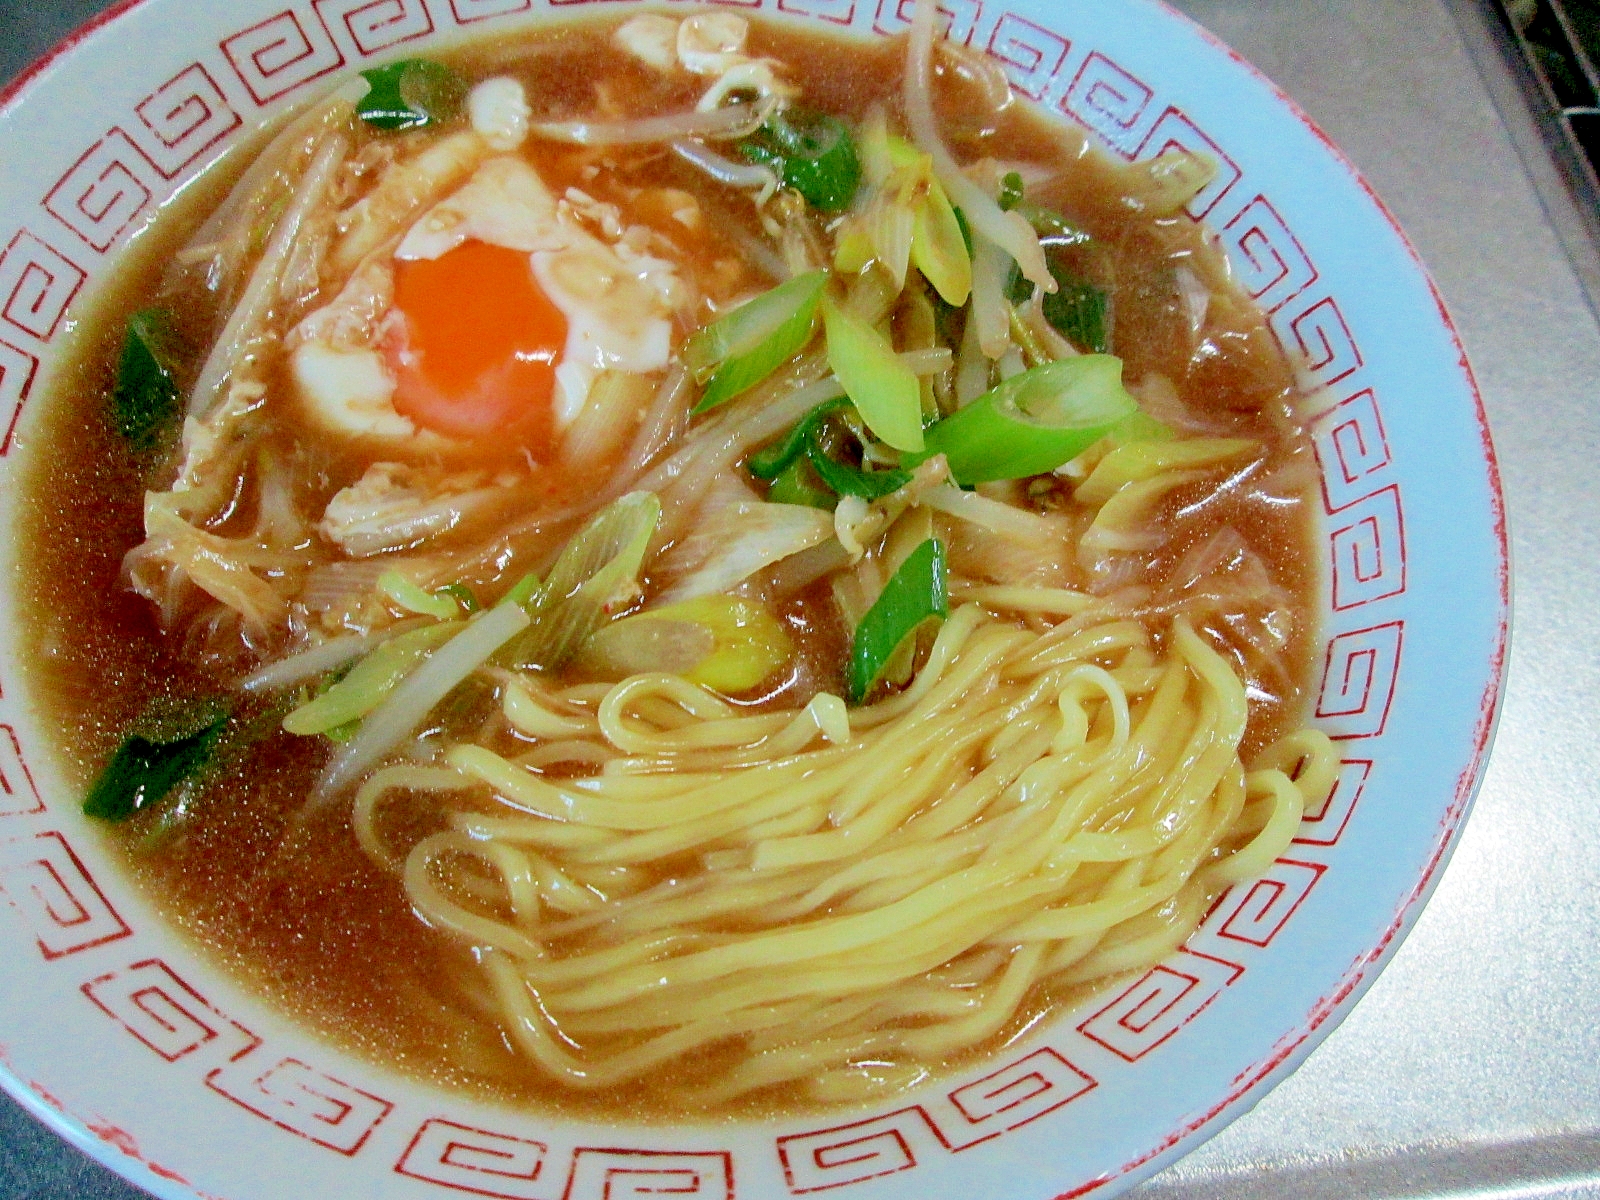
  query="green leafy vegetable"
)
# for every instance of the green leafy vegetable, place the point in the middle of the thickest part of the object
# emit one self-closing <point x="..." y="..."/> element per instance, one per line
<point x="143" y="771"/>
<point x="884" y="390"/>
<point x="1010" y="191"/>
<point x="1032" y="422"/>
<point x="411" y="94"/>
<point x="915" y="593"/>
<point x="812" y="152"/>
<point x="797" y="484"/>
<point x="852" y="481"/>
<point x="145" y="400"/>
<point x="394" y="586"/>
<point x="768" y="463"/>
<point x="1078" y="309"/>
<point x="739" y="350"/>
<point x="1079" y="312"/>
<point x="804" y="447"/>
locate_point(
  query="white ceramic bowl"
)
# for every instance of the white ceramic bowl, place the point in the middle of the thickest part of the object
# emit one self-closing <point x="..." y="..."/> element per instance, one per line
<point x="123" y="1038"/>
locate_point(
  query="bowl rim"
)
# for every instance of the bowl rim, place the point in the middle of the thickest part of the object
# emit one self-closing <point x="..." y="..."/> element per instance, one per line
<point x="119" y="1155"/>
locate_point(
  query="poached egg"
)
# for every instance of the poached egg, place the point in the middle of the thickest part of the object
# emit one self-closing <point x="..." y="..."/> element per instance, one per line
<point x="483" y="330"/>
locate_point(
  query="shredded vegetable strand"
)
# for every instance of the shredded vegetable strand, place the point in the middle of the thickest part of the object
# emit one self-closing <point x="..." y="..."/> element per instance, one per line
<point x="1009" y="231"/>
<point x="734" y="121"/>
<point x="748" y="344"/>
<point x="662" y="425"/>
<point x="725" y="170"/>
<point x="225" y="239"/>
<point x="253" y="307"/>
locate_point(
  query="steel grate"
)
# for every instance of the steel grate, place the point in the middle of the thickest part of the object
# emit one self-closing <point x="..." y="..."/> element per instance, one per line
<point x="1558" y="42"/>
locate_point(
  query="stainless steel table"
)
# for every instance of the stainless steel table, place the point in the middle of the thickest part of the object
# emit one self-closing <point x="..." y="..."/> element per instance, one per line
<point x="1472" y="1068"/>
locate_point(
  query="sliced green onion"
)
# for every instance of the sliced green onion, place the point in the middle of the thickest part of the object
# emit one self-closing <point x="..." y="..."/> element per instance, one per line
<point x="1136" y="461"/>
<point x="145" y="400"/>
<point x="739" y="350"/>
<point x="797" y="484"/>
<point x="523" y="591"/>
<point x="941" y="245"/>
<point x="768" y="463"/>
<point x="404" y="709"/>
<point x="740" y="329"/>
<point x="462" y="595"/>
<point x="143" y="771"/>
<point x="646" y="643"/>
<point x="915" y="593"/>
<point x="596" y="571"/>
<point x="367" y="683"/>
<point x="1032" y="422"/>
<point x="915" y="221"/>
<point x="721" y="642"/>
<point x="411" y="94"/>
<point x="394" y="586"/>
<point x="812" y="152"/>
<point x="884" y="390"/>
<point x="881" y="151"/>
<point x="1140" y="426"/>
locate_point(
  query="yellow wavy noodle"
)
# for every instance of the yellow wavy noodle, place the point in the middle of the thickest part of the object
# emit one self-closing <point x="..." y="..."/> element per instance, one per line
<point x="853" y="898"/>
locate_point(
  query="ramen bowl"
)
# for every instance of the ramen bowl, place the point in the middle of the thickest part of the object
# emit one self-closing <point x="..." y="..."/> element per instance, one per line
<point x="143" y="1050"/>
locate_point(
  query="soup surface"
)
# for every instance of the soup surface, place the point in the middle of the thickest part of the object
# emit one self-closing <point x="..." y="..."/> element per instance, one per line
<point x="371" y="909"/>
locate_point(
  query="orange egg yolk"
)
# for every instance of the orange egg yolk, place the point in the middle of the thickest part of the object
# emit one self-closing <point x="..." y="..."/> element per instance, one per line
<point x="480" y="347"/>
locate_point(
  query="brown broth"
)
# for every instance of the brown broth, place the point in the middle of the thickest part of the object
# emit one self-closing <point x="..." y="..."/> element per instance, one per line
<point x="326" y="933"/>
